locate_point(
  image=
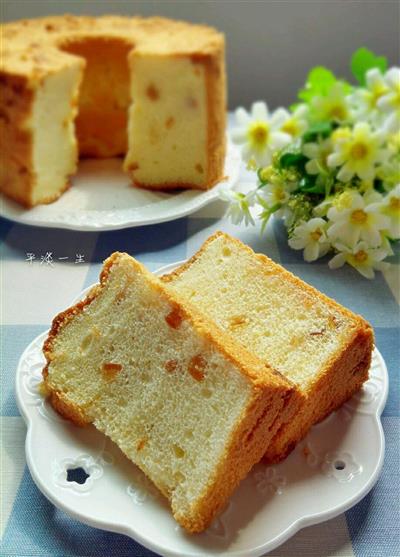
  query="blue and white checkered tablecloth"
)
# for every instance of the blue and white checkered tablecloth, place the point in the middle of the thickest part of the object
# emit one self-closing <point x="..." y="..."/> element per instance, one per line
<point x="34" y="291"/>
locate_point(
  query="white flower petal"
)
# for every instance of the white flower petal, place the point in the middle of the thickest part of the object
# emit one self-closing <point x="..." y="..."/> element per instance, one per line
<point x="357" y="201"/>
<point x="310" y="150"/>
<point x="382" y="266"/>
<point x="311" y="252"/>
<point x="263" y="158"/>
<point x="394" y="230"/>
<point x="366" y="172"/>
<point x="323" y="249"/>
<point x="239" y="135"/>
<point x="338" y="261"/>
<point x="380" y="221"/>
<point x="296" y="243"/>
<point x="345" y="173"/>
<point x="247" y="152"/>
<point x="259" y="110"/>
<point x="371" y="236"/>
<point x="242" y="116"/>
<point x="279" y="140"/>
<point x="334" y="229"/>
<point x="373" y="77"/>
<point x="382" y="253"/>
<point x="278" y="118"/>
<point x="365" y="270"/>
<point x="392" y="77"/>
<point x="317" y="222"/>
<point x="335" y="159"/>
<point x="312" y="167"/>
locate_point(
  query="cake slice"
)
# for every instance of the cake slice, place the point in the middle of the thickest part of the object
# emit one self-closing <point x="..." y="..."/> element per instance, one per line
<point x="181" y="399"/>
<point x="317" y="344"/>
<point x="38" y="148"/>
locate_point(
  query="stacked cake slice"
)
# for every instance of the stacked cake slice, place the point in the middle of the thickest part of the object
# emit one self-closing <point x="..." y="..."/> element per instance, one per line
<point x="177" y="372"/>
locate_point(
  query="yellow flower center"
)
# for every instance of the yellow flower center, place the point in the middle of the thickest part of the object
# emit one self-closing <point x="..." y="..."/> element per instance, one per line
<point x="359" y="216"/>
<point x="280" y="195"/>
<point x="338" y="112"/>
<point x="291" y="127"/>
<point x="316" y="235"/>
<point x="359" y="151"/>
<point x="395" y="203"/>
<point x="258" y="134"/>
<point x="376" y="94"/>
<point x="361" y="256"/>
<point x="343" y="201"/>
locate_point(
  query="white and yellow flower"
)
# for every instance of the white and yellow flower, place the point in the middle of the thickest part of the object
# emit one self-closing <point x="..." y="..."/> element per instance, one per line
<point x="365" y="100"/>
<point x="357" y="152"/>
<point x="362" y="257"/>
<point x="275" y="194"/>
<point x="259" y="133"/>
<point x="295" y="123"/>
<point x="334" y="106"/>
<point x="311" y="237"/>
<point x="355" y="217"/>
<point x="389" y="102"/>
<point x="239" y="205"/>
<point x="318" y="154"/>
<point x="390" y="207"/>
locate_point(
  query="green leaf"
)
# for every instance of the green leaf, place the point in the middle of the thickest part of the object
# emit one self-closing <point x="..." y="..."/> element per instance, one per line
<point x="294" y="106"/>
<point x="319" y="82"/>
<point x="266" y="215"/>
<point x="308" y="184"/>
<point x="363" y="60"/>
<point x="378" y="185"/>
<point x="296" y="160"/>
<point x="321" y="129"/>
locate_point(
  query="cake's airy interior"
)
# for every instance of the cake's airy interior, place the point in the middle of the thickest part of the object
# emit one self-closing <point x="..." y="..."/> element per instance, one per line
<point x="124" y="108"/>
<point x="104" y="96"/>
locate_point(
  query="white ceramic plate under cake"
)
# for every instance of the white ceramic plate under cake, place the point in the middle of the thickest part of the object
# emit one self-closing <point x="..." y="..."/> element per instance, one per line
<point x="329" y="472"/>
<point x="102" y="198"/>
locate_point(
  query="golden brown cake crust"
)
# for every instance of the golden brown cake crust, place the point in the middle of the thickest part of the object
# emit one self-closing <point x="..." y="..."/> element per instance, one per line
<point x="31" y="45"/>
<point x="15" y="142"/>
<point x="342" y="376"/>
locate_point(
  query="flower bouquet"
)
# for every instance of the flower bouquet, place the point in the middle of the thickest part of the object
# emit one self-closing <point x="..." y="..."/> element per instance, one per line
<point x="330" y="166"/>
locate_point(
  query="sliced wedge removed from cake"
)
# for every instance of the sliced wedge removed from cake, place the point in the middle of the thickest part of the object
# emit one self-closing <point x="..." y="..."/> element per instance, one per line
<point x="192" y="409"/>
<point x="322" y="347"/>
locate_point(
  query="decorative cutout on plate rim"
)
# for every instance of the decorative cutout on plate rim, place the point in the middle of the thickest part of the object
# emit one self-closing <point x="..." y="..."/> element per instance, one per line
<point x="341" y="466"/>
<point x="364" y="401"/>
<point x="91" y="466"/>
<point x="269" y="481"/>
<point x="31" y="368"/>
<point x="219" y="526"/>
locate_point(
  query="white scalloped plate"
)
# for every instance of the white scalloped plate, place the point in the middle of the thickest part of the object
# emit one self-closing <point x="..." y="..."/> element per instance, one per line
<point x="101" y="198"/>
<point x="329" y="472"/>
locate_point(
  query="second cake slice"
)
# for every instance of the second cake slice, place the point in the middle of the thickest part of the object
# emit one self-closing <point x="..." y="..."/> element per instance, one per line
<point x="319" y="345"/>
